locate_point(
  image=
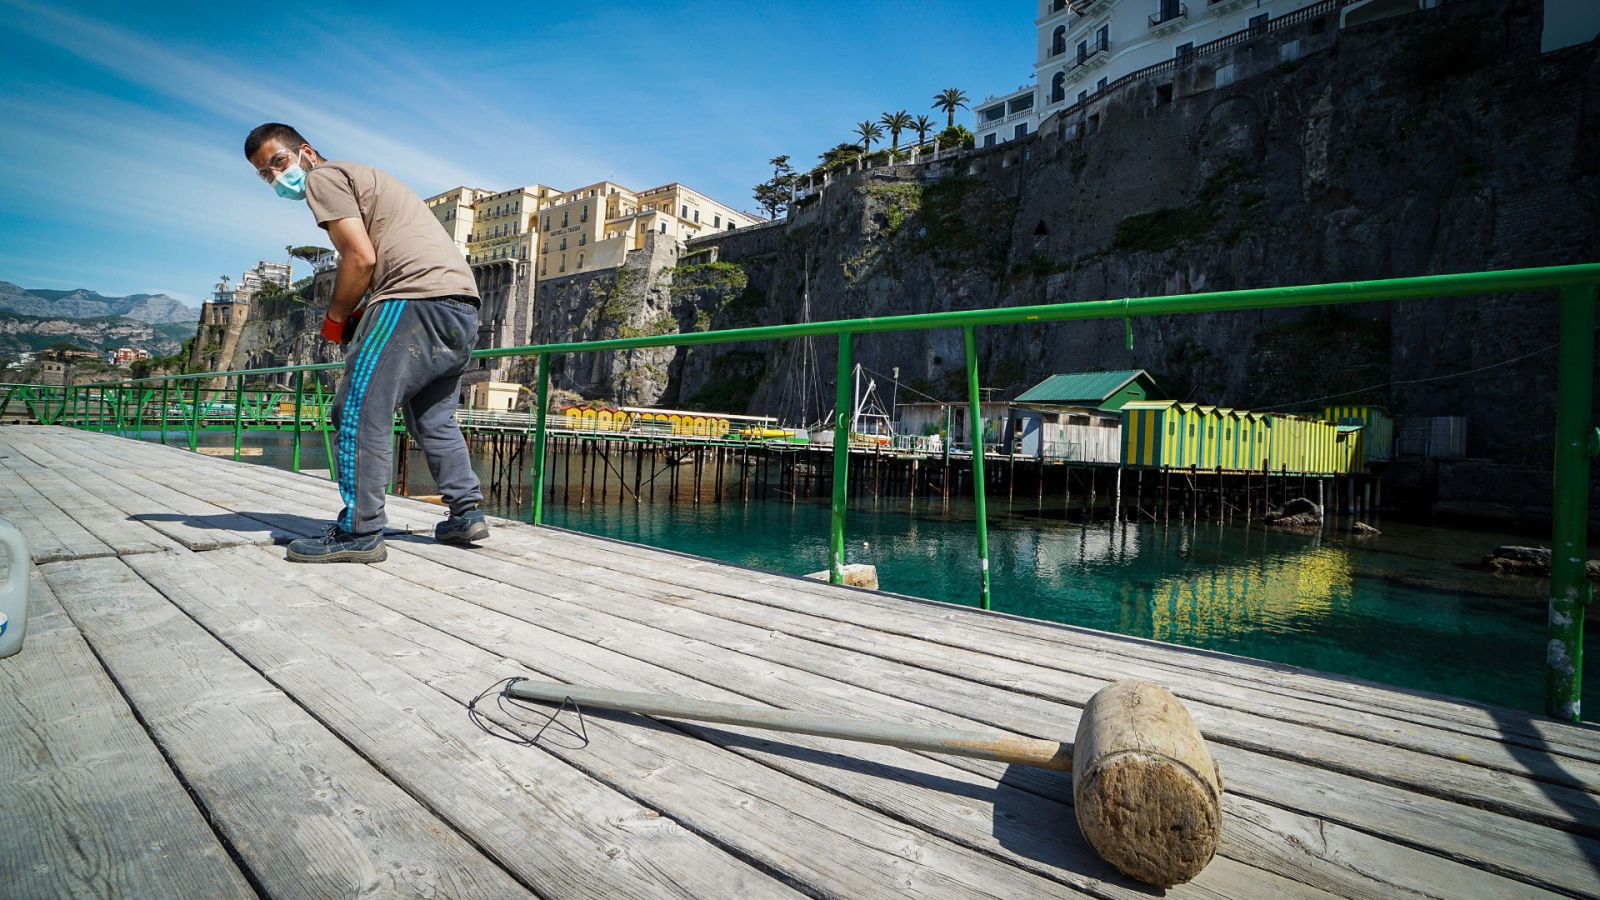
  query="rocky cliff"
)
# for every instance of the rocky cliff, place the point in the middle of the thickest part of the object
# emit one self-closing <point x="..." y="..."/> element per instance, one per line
<point x="1436" y="142"/>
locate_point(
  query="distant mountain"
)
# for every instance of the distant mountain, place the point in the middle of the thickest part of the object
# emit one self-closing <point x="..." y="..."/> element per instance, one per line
<point x="20" y="333"/>
<point x="81" y="303"/>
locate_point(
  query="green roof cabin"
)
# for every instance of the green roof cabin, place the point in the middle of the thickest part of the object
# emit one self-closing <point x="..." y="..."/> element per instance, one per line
<point x="1094" y="390"/>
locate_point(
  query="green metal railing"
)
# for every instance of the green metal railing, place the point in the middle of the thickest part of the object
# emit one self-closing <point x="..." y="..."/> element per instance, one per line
<point x="1577" y="438"/>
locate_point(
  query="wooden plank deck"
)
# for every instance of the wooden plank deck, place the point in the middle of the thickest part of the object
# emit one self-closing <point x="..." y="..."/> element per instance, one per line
<point x="194" y="716"/>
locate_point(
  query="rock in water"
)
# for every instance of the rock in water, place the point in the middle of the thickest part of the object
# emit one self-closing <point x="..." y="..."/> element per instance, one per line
<point x="1531" y="561"/>
<point x="1298" y="514"/>
<point x="1362" y="529"/>
<point x="855" y="575"/>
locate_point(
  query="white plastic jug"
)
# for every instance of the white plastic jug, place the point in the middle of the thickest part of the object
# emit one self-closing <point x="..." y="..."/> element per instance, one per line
<point x="14" y="591"/>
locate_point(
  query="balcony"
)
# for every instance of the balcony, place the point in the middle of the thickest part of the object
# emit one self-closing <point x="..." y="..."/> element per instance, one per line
<point x="1169" y="19"/>
<point x="1094" y="57"/>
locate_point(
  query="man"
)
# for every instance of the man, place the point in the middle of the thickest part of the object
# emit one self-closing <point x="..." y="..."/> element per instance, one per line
<point x="405" y="308"/>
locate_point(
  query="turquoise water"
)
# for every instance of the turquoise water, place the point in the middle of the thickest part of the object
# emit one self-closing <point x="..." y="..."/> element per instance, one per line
<point x="1410" y="607"/>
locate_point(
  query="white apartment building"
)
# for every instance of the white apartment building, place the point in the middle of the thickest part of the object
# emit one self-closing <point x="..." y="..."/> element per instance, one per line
<point x="1085" y="45"/>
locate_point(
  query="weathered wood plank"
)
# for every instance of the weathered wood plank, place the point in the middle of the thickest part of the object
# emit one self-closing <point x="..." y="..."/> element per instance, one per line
<point x="548" y="823"/>
<point x="1431" y="710"/>
<point x="1452" y="774"/>
<point x="309" y="816"/>
<point x="1027" y="829"/>
<point x="88" y="807"/>
<point x="1527" y="851"/>
<point x="195" y="524"/>
<point x="819" y="838"/>
<point x="51" y="533"/>
<point x="90" y="510"/>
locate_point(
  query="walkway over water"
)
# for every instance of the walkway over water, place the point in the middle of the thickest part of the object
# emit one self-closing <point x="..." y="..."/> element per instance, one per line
<point x="193" y="716"/>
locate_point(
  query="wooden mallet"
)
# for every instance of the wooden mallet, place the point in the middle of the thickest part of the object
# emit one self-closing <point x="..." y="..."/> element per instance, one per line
<point x="1147" y="794"/>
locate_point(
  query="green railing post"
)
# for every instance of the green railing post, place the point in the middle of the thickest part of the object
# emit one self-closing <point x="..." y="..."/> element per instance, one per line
<point x="841" y="462"/>
<point x="238" y="414"/>
<point x="299" y="387"/>
<point x="980" y="502"/>
<point x="1569" y="584"/>
<point x="541" y="413"/>
<point x="324" y="404"/>
<point x="194" y="417"/>
<point x="122" y="397"/>
<point x="166" y="392"/>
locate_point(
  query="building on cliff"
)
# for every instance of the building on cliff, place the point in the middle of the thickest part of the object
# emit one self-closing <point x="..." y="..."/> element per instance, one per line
<point x="1085" y="46"/>
<point x="513" y="238"/>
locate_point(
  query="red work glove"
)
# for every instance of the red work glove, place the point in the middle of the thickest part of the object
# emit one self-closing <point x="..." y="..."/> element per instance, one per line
<point x="340" y="332"/>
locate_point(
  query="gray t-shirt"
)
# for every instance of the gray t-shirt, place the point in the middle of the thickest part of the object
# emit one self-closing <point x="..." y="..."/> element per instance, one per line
<point x="416" y="258"/>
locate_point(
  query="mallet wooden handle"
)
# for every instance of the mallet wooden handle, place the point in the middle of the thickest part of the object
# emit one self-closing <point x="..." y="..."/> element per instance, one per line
<point x="993" y="745"/>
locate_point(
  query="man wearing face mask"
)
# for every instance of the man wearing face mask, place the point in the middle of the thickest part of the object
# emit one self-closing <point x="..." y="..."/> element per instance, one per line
<point x="405" y="308"/>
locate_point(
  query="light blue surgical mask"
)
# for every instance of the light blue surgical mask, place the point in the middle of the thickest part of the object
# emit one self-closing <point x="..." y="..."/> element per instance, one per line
<point x="290" y="184"/>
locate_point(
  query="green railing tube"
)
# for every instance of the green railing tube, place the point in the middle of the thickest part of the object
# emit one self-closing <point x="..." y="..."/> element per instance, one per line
<point x="323" y="406"/>
<point x="541" y="413"/>
<point x="238" y="414"/>
<point x="299" y="388"/>
<point x="194" y="417"/>
<point x="116" y="410"/>
<point x="165" y="393"/>
<point x="1569" y="584"/>
<point x="975" y="429"/>
<point x="843" y="398"/>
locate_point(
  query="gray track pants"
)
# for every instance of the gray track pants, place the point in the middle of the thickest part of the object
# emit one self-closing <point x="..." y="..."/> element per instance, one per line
<point x="407" y="353"/>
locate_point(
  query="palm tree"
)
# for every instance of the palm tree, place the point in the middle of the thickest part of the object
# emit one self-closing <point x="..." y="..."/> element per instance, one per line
<point x="950" y="100"/>
<point x="869" y="132"/>
<point x="896" y="122"/>
<point x="922" y="125"/>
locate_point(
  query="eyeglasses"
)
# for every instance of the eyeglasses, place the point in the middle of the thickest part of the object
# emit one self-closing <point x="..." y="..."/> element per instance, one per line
<point x="280" y="161"/>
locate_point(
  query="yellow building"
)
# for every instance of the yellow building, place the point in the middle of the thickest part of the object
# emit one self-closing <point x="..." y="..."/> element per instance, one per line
<point x="504" y="226"/>
<point x="455" y="211"/>
<point x="595" y="226"/>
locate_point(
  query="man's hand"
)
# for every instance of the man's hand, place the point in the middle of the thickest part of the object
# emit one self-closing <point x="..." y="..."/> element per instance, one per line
<point x="339" y="331"/>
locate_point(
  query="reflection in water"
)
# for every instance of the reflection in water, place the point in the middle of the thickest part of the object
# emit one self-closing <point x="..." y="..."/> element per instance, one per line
<point x="1410" y="608"/>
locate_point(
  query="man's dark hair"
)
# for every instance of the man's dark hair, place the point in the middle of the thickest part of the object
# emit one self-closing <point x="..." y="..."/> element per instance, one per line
<point x="272" y="131"/>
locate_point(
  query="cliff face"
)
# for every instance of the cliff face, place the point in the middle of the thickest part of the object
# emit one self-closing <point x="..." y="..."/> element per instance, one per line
<point x="1430" y="143"/>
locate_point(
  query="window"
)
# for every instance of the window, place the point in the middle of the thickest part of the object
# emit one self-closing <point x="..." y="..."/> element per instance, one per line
<point x="1041" y="237"/>
<point x="663" y="228"/>
<point x="716" y="221"/>
<point x="685" y="212"/>
<point x="583" y="239"/>
<point x="583" y="214"/>
<point x="563" y="266"/>
<point x="1082" y="96"/>
<point x="1258" y="24"/>
<point x="563" y="244"/>
<point x="1163" y="94"/>
<point x="580" y="260"/>
<point x="1185" y="51"/>
<point x="1100" y="85"/>
<point x="697" y="215"/>
<point x="1058" y="87"/>
<point x="546" y="223"/>
<point x="730" y="224"/>
<point x="995" y="113"/>
<point x="1102" y="37"/>
<point x="988" y="140"/>
<point x="1083" y="51"/>
<point x="1020" y="131"/>
<point x="565" y="217"/>
<point x="1058" y="41"/>
<point x="1172" y="428"/>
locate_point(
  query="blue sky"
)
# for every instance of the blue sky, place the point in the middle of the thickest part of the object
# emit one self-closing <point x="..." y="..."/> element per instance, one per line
<point x="124" y="123"/>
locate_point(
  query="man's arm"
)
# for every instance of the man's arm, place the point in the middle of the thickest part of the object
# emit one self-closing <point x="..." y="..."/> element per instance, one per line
<point x="356" y="264"/>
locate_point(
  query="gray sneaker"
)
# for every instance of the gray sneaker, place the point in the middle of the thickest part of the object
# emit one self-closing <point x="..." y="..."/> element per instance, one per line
<point x="337" y="545"/>
<point x="466" y="528"/>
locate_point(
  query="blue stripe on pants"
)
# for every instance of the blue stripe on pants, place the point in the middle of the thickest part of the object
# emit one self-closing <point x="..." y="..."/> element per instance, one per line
<point x="350" y="420"/>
